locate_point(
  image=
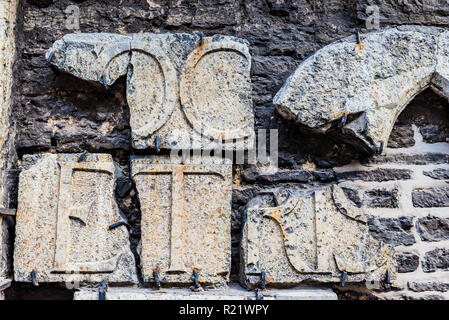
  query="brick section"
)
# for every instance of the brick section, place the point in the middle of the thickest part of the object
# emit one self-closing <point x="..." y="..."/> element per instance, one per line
<point x="381" y="198"/>
<point x="428" y="286"/>
<point x="436" y="259"/>
<point x="432" y="228"/>
<point x="378" y="175"/>
<point x="431" y="197"/>
<point x="441" y="174"/>
<point x="407" y="262"/>
<point x="395" y="231"/>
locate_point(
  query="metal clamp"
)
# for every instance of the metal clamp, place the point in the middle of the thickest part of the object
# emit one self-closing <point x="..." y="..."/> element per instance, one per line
<point x="82" y="156"/>
<point x="8" y="212"/>
<point x="102" y="291"/>
<point x="343" y="279"/>
<point x="196" y="279"/>
<point x="34" y="278"/>
<point x="105" y="83"/>
<point x="156" y="142"/>
<point x="157" y="281"/>
<point x="118" y="224"/>
<point x="343" y="120"/>
<point x="357" y="36"/>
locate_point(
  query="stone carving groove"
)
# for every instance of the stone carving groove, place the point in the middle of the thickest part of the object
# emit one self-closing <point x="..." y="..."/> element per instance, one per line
<point x="178" y="86"/>
<point x="63" y="218"/>
<point x="314" y="235"/>
<point x="364" y="87"/>
<point x="186" y="212"/>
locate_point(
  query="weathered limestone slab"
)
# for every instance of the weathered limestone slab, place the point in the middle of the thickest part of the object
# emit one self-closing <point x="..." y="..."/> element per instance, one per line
<point x="186" y="218"/>
<point x="8" y="13"/>
<point x="179" y="86"/>
<point x="62" y="225"/>
<point x="365" y="86"/>
<point x="232" y="293"/>
<point x="316" y="235"/>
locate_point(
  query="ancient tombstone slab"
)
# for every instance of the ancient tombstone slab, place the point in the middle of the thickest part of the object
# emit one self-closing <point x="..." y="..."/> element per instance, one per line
<point x="64" y="212"/>
<point x="184" y="91"/>
<point x="363" y="87"/>
<point x="310" y="235"/>
<point x="186" y="218"/>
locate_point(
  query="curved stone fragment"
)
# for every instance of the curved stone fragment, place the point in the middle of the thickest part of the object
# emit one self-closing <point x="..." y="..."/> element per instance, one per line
<point x="210" y="108"/>
<point x="312" y="235"/>
<point x="369" y="83"/>
<point x="65" y="209"/>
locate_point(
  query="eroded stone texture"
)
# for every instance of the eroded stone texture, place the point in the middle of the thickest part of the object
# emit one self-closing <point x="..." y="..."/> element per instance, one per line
<point x="4" y="250"/>
<point x="64" y="212"/>
<point x="179" y="86"/>
<point x="314" y="235"/>
<point x="186" y="218"/>
<point x="365" y="86"/>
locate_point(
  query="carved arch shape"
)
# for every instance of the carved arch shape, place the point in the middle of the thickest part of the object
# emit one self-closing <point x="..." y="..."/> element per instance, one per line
<point x="240" y="124"/>
<point x="370" y="82"/>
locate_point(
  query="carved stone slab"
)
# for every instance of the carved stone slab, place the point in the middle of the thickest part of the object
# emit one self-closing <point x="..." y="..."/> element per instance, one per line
<point x="364" y="86"/>
<point x="186" y="219"/>
<point x="314" y="235"/>
<point x="179" y="86"/>
<point x="62" y="226"/>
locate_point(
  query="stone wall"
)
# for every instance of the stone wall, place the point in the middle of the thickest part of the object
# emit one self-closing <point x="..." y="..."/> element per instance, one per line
<point x="404" y="190"/>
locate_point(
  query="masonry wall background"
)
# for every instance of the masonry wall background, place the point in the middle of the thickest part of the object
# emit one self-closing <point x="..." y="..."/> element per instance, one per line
<point x="405" y="191"/>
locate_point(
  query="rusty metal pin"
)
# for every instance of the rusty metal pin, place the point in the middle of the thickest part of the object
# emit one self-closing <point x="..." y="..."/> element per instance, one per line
<point x="118" y="224"/>
<point x="275" y="198"/>
<point x="381" y="148"/>
<point x="50" y="56"/>
<point x="343" y="279"/>
<point x="102" y="291"/>
<point x="259" y="295"/>
<point x="343" y="120"/>
<point x="105" y="83"/>
<point x="82" y="157"/>
<point x="201" y="38"/>
<point x="34" y="278"/>
<point x="263" y="279"/>
<point x="158" y="149"/>
<point x="388" y="277"/>
<point x="357" y="36"/>
<point x="196" y="278"/>
<point x="157" y="281"/>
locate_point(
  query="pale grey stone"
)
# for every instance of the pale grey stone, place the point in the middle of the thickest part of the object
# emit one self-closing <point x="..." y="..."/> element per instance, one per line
<point x="65" y="208"/>
<point x="186" y="218"/>
<point x="232" y="293"/>
<point x="5" y="259"/>
<point x="178" y="85"/>
<point x="371" y="82"/>
<point x="310" y="235"/>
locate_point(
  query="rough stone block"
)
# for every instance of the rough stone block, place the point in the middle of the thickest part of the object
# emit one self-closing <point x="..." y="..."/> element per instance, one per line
<point x="186" y="218"/>
<point x="436" y="259"/>
<point x="64" y="212"/>
<point x="379" y="175"/>
<point x="381" y="198"/>
<point x="431" y="197"/>
<point x="428" y="286"/>
<point x="394" y="231"/>
<point x="433" y="228"/>
<point x="310" y="235"/>
<point x="439" y="174"/>
<point x="179" y="86"/>
<point x="407" y="262"/>
<point x="365" y="86"/>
